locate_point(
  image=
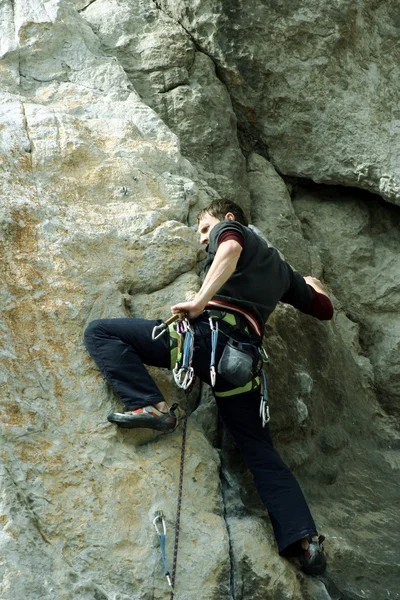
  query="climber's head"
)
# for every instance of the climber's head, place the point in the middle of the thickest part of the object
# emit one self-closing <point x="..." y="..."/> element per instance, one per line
<point x="218" y="210"/>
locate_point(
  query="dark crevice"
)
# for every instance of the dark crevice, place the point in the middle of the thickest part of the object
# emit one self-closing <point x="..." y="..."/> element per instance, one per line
<point x="382" y="221"/>
<point x="51" y="80"/>
<point x="142" y="70"/>
<point x="248" y="138"/>
<point x="334" y="191"/>
<point x="30" y="146"/>
<point x="87" y="5"/>
<point x="224" y="485"/>
<point x="173" y="87"/>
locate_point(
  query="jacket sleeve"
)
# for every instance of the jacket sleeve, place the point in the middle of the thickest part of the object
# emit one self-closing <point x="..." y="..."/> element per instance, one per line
<point x="303" y="297"/>
<point x="299" y="293"/>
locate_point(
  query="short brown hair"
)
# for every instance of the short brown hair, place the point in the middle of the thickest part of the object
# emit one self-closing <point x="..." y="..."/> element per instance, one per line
<point x="219" y="208"/>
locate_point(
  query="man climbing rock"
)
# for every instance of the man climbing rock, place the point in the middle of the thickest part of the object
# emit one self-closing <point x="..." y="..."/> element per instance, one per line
<point x="245" y="279"/>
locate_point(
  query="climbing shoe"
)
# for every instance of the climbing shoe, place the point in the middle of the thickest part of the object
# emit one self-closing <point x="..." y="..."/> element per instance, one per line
<point x="148" y="417"/>
<point x="313" y="561"/>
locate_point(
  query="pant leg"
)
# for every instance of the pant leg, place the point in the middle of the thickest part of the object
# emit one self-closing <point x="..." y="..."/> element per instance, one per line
<point x="120" y="347"/>
<point x="278" y="488"/>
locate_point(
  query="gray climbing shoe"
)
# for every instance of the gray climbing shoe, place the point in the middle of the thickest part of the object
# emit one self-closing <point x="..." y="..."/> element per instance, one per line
<point x="313" y="561"/>
<point x="148" y="417"/>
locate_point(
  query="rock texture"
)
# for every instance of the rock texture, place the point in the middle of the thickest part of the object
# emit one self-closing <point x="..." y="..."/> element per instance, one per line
<point x="363" y="271"/>
<point x="311" y="82"/>
<point x="176" y="79"/>
<point x="118" y="122"/>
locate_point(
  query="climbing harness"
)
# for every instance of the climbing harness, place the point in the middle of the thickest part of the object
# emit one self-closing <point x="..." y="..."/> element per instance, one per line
<point x="235" y="358"/>
<point x="236" y="361"/>
<point x="160" y="527"/>
<point x="159" y="521"/>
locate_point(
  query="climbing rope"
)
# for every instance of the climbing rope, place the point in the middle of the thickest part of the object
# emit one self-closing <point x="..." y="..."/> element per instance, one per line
<point x="159" y="521"/>
<point x="179" y="505"/>
<point x="184" y="376"/>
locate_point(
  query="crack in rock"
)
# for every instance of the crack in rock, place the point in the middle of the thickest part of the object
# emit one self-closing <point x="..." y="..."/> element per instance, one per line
<point x="87" y="6"/>
<point x="247" y="138"/>
<point x="20" y="495"/>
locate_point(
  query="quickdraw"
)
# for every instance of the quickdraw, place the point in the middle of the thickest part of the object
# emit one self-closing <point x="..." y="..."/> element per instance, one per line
<point x="183" y="371"/>
<point x="264" y="407"/>
<point x="160" y="527"/>
<point x="214" y="341"/>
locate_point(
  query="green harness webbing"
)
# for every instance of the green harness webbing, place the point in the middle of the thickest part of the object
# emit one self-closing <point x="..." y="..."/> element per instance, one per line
<point x="173" y="345"/>
<point x="253" y="384"/>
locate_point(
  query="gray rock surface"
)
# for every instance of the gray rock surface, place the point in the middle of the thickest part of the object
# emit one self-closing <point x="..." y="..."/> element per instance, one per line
<point x="116" y="127"/>
<point x="312" y="83"/>
<point x="179" y="82"/>
<point x="363" y="270"/>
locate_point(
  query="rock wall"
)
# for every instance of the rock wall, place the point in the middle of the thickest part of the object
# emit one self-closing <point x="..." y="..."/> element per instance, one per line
<point x="311" y="82"/>
<point x="118" y="122"/>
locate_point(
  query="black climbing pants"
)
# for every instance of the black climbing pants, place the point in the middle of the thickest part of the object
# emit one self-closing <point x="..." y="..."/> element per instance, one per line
<point x="121" y="347"/>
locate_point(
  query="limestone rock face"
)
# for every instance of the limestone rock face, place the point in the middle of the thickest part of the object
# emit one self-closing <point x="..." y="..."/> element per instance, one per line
<point x="273" y="213"/>
<point x="118" y="122"/>
<point x="179" y="82"/>
<point x="363" y="270"/>
<point x="312" y="82"/>
<point x="95" y="202"/>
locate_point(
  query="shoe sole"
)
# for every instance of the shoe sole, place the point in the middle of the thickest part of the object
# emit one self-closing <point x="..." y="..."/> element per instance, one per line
<point x="143" y="422"/>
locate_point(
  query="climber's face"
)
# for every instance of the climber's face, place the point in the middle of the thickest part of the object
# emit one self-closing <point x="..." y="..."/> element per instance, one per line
<point x="206" y="223"/>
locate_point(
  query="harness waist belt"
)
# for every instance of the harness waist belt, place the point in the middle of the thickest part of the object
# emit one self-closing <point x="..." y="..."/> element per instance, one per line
<point x="250" y="320"/>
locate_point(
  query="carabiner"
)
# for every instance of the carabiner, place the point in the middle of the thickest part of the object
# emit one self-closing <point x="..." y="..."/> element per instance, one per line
<point x="264" y="355"/>
<point x="264" y="413"/>
<point x="159" y="517"/>
<point x="189" y="376"/>
<point x="164" y="325"/>
<point x="264" y="407"/>
<point x="213" y="376"/>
